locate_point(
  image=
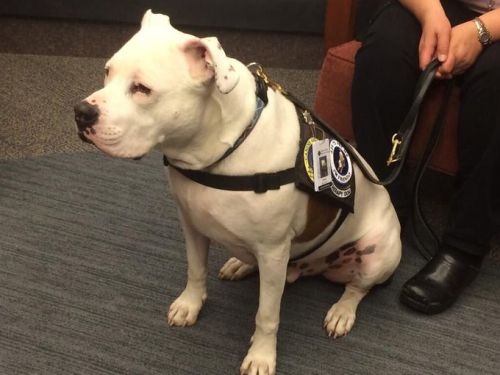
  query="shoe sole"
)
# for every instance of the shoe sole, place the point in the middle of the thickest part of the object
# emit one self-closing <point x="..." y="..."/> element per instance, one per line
<point x="422" y="307"/>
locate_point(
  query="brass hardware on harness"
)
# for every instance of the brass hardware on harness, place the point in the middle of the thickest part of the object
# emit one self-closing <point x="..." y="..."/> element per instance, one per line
<point x="308" y="118"/>
<point x="259" y="72"/>
<point x="396" y="142"/>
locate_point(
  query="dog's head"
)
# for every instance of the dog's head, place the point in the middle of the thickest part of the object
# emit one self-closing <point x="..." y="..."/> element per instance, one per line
<point x="154" y="90"/>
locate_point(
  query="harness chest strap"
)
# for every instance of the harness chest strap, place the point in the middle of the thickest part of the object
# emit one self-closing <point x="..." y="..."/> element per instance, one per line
<point x="258" y="183"/>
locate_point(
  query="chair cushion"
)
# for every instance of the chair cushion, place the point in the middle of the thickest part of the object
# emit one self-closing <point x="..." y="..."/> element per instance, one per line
<point x="333" y="104"/>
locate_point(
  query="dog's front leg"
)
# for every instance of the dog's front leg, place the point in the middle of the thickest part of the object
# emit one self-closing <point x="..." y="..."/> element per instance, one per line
<point x="261" y="357"/>
<point x="184" y="310"/>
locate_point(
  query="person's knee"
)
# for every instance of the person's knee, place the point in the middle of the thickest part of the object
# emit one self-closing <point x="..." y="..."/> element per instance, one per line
<point x="484" y="75"/>
<point x="392" y="38"/>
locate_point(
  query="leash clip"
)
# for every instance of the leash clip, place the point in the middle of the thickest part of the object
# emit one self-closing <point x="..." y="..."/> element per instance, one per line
<point x="259" y="72"/>
<point x="396" y="142"/>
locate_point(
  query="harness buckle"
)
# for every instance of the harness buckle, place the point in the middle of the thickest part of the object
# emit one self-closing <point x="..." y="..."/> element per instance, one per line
<point x="265" y="182"/>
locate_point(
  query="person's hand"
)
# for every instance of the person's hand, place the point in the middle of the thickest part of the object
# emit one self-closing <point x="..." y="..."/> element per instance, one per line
<point x="463" y="52"/>
<point x="435" y="39"/>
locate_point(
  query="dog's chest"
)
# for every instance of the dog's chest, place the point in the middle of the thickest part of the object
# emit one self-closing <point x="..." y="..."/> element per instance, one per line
<point x="236" y="219"/>
<point x="210" y="213"/>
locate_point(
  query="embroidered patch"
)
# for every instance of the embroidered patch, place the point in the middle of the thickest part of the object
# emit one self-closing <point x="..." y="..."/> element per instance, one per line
<point x="341" y="187"/>
<point x="341" y="169"/>
<point x="341" y="162"/>
<point x="308" y="158"/>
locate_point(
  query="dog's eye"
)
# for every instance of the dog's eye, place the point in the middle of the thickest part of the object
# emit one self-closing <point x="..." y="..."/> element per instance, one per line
<point x="106" y="71"/>
<point x="138" y="87"/>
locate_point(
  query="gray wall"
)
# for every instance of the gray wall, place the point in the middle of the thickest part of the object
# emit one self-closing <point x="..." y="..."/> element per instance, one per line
<point x="273" y="15"/>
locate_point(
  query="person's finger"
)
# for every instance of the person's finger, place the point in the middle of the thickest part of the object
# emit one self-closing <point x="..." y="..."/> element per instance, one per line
<point x="443" y="44"/>
<point x="427" y="49"/>
<point x="447" y="66"/>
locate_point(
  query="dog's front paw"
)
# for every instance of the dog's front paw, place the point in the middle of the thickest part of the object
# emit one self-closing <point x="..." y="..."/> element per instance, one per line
<point x="184" y="310"/>
<point x="340" y="319"/>
<point x="259" y="361"/>
<point x="235" y="269"/>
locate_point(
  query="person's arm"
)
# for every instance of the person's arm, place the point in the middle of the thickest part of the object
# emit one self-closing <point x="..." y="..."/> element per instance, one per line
<point x="422" y="8"/>
<point x="436" y="29"/>
<point x="492" y="22"/>
<point x="465" y="46"/>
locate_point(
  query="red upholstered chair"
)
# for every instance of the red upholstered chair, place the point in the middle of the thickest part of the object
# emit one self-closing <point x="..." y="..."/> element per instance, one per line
<point x="333" y="95"/>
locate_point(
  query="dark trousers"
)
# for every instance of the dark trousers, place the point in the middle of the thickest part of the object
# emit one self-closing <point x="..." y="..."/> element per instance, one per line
<point x="385" y="75"/>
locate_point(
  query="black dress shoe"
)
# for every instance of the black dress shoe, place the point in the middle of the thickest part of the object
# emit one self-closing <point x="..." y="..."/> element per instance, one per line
<point x="440" y="282"/>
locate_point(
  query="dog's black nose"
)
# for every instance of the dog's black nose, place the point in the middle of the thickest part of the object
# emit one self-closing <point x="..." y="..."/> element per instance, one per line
<point x="86" y="115"/>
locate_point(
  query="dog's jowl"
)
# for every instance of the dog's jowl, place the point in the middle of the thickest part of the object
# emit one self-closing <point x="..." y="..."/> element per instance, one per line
<point x="210" y="117"/>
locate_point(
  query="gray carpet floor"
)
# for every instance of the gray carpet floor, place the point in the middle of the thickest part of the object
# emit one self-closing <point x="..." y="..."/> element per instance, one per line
<point x="91" y="255"/>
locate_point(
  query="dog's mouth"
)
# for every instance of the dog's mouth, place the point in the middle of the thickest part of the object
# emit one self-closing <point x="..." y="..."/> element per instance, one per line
<point x="83" y="137"/>
<point x="89" y="135"/>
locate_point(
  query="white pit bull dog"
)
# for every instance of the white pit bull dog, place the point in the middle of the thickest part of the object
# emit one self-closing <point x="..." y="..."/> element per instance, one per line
<point x="179" y="94"/>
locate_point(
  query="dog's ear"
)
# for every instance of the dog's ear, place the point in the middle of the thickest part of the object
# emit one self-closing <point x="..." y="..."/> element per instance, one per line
<point x="151" y="19"/>
<point x="207" y="60"/>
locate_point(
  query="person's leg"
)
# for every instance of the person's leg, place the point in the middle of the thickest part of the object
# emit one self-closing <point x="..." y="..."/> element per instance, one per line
<point x="470" y="223"/>
<point x="385" y="74"/>
<point x="470" y="226"/>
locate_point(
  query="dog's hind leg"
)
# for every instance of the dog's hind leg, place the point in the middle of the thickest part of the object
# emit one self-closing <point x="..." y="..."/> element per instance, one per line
<point x="341" y="316"/>
<point x="235" y="269"/>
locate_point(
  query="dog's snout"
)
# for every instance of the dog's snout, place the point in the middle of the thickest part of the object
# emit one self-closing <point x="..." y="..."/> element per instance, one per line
<point x="86" y="115"/>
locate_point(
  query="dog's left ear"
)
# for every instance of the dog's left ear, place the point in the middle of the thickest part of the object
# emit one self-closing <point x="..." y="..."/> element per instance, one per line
<point x="207" y="60"/>
<point x="151" y="19"/>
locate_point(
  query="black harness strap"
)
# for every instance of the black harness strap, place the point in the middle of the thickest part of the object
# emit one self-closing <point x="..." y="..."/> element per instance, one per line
<point x="342" y="216"/>
<point x="259" y="182"/>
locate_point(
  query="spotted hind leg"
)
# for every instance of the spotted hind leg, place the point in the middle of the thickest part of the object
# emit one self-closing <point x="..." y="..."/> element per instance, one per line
<point x="341" y="316"/>
<point x="235" y="269"/>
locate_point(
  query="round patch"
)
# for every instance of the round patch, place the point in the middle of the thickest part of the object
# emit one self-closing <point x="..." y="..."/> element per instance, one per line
<point x="308" y="158"/>
<point x="341" y="163"/>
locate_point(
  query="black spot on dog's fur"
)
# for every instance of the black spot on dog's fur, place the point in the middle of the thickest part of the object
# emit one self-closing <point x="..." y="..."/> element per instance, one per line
<point x="332" y="257"/>
<point x="367" y="250"/>
<point x="335" y="266"/>
<point x="347" y="245"/>
<point x="350" y="251"/>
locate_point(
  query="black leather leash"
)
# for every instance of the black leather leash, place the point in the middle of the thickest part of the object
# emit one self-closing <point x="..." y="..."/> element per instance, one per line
<point x="400" y="140"/>
<point x="418" y="224"/>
